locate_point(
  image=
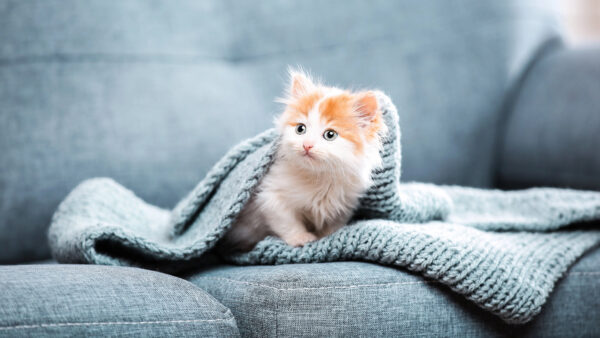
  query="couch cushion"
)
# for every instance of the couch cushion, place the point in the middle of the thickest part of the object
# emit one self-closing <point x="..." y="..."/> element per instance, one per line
<point x="152" y="94"/>
<point x="553" y="133"/>
<point x="85" y="300"/>
<point x="362" y="299"/>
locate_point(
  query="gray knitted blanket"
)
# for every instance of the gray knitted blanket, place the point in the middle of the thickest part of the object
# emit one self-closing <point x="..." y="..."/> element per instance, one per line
<point x="502" y="250"/>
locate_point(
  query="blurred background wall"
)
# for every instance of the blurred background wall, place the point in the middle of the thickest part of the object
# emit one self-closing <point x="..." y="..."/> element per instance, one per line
<point x="582" y="20"/>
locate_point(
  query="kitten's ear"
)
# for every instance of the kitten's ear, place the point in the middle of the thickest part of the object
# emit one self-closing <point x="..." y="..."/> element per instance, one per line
<point x="366" y="106"/>
<point x="300" y="84"/>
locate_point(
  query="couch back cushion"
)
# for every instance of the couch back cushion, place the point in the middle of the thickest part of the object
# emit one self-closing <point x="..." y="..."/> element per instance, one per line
<point x="153" y="93"/>
<point x="552" y="135"/>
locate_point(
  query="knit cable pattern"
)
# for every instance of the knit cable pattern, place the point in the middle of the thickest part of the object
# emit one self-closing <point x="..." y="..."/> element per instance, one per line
<point x="502" y="250"/>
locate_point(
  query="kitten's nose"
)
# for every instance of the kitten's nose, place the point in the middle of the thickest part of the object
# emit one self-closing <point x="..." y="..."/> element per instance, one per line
<point x="307" y="146"/>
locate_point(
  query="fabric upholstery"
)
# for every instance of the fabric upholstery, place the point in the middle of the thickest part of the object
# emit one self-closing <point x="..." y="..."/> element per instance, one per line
<point x="363" y="299"/>
<point x="85" y="300"/>
<point x="508" y="273"/>
<point x="121" y="89"/>
<point x="553" y="132"/>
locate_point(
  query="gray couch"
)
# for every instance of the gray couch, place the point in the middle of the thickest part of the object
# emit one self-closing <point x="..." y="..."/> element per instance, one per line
<point x="153" y="93"/>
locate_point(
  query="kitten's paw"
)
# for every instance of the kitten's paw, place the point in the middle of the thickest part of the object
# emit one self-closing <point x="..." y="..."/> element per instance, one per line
<point x="300" y="239"/>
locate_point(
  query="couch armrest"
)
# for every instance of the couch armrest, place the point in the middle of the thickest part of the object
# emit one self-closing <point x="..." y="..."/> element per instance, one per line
<point x="552" y="135"/>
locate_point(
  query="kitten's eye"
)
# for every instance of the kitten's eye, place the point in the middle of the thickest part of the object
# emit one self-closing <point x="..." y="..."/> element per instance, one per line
<point x="300" y="129"/>
<point x="330" y="135"/>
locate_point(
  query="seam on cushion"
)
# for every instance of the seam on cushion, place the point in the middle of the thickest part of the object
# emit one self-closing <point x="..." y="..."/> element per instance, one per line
<point x="362" y="285"/>
<point x="277" y="318"/>
<point x="33" y="326"/>
<point x="322" y="287"/>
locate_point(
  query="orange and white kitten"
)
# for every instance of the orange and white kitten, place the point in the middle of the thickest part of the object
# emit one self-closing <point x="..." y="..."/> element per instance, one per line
<point x="329" y="143"/>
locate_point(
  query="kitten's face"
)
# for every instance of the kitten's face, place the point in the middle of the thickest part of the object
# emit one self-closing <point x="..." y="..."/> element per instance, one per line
<point x="326" y="128"/>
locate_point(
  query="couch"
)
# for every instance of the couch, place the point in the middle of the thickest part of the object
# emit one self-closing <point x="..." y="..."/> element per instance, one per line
<point x="153" y="93"/>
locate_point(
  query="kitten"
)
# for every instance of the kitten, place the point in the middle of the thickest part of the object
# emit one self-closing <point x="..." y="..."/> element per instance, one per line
<point x="329" y="143"/>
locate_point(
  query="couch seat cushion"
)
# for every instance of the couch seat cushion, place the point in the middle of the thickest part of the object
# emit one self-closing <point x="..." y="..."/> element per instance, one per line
<point x="363" y="299"/>
<point x="86" y="300"/>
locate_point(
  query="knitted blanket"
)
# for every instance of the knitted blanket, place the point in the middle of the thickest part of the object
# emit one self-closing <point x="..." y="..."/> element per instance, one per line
<point x="502" y="250"/>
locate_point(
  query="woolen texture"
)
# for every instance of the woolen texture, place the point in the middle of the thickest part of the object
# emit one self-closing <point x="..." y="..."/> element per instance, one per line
<point x="502" y="250"/>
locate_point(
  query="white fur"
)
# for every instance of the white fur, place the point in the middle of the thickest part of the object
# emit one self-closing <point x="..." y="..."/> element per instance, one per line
<point x="303" y="198"/>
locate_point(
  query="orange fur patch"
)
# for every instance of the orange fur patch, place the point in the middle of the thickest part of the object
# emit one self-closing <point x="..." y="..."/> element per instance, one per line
<point x="340" y="113"/>
<point x="302" y="105"/>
